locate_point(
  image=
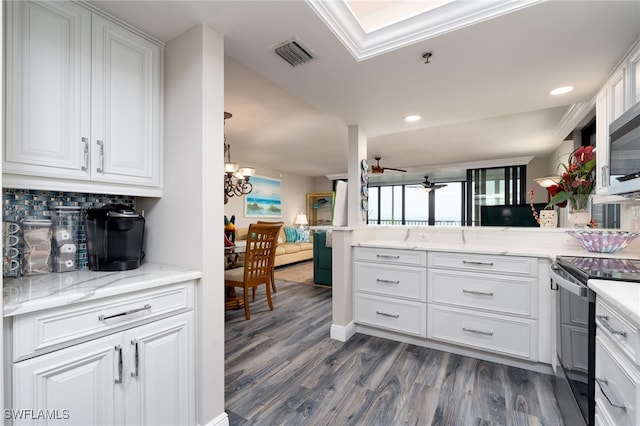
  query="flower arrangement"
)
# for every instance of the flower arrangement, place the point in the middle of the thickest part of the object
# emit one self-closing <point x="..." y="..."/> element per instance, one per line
<point x="577" y="181"/>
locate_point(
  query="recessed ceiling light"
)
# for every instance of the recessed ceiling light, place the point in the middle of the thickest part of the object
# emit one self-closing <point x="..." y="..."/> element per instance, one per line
<point x="412" y="118"/>
<point x="561" y="90"/>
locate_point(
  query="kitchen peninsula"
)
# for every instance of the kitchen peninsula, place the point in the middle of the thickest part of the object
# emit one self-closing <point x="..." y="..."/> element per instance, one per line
<point x="487" y="292"/>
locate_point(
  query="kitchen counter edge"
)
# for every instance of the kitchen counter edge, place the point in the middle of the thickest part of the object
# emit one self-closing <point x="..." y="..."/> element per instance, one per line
<point x="39" y="292"/>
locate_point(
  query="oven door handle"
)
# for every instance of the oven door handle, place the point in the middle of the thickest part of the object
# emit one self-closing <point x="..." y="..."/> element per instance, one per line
<point x="568" y="283"/>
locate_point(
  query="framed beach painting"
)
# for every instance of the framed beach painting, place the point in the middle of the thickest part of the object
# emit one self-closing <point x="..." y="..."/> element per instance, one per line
<point x="265" y="200"/>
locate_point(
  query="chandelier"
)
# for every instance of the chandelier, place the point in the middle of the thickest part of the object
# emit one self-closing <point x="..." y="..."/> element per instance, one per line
<point x="236" y="178"/>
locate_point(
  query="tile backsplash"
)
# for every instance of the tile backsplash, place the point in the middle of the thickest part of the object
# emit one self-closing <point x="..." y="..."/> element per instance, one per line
<point x="21" y="204"/>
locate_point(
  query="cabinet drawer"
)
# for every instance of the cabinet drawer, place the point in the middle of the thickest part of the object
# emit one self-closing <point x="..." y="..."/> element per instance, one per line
<point x="395" y="256"/>
<point x="617" y="385"/>
<point x="403" y="316"/>
<point x="497" y="293"/>
<point x="51" y="329"/>
<point x="398" y="281"/>
<point x="620" y="330"/>
<point x="512" y="265"/>
<point x="500" y="334"/>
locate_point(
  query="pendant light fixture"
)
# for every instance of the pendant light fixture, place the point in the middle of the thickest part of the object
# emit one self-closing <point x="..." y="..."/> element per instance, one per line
<point x="236" y="178"/>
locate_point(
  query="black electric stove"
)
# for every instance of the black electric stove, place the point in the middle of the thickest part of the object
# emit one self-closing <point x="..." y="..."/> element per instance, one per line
<point x="575" y="381"/>
<point x="602" y="268"/>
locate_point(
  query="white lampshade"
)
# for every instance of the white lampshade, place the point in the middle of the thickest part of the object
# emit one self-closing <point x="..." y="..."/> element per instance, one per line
<point x="548" y="181"/>
<point x="301" y="220"/>
<point x="230" y="167"/>
<point x="247" y="171"/>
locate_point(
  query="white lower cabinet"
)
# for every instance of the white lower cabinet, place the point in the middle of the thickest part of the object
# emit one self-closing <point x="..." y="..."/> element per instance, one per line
<point x="391" y="289"/>
<point x="514" y="337"/>
<point x="617" y="368"/>
<point x="477" y="301"/>
<point x="484" y="301"/>
<point x="403" y="316"/>
<point x="142" y="375"/>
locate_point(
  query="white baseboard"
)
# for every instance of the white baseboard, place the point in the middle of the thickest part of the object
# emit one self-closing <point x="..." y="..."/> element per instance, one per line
<point x="343" y="333"/>
<point x="221" y="420"/>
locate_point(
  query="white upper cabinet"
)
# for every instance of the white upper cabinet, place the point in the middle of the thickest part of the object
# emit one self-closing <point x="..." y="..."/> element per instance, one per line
<point x="618" y="95"/>
<point x="634" y="78"/>
<point x="48" y="89"/>
<point x="84" y="102"/>
<point x="125" y="113"/>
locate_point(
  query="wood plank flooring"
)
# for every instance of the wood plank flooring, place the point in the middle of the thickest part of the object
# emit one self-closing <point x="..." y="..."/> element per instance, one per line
<point x="283" y="369"/>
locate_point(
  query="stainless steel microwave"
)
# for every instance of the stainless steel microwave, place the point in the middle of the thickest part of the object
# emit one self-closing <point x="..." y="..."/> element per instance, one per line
<point x="624" y="154"/>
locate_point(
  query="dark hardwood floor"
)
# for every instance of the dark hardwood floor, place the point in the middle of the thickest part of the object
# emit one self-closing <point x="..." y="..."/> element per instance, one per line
<point x="282" y="368"/>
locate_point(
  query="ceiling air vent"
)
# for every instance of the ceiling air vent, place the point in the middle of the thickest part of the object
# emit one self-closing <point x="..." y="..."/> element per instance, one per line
<point x="294" y="53"/>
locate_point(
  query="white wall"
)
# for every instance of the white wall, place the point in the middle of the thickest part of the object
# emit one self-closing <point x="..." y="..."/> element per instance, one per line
<point x="294" y="196"/>
<point x="179" y="225"/>
<point x="538" y="167"/>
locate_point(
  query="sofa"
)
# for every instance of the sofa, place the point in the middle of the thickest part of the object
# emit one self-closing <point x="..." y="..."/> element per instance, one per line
<point x="286" y="252"/>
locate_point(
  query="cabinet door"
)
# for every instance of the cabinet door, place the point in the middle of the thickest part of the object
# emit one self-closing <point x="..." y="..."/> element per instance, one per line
<point x="634" y="78"/>
<point x="602" y="142"/>
<point x="47" y="91"/>
<point x="160" y="372"/>
<point x="76" y="385"/>
<point x="125" y="115"/>
<point x="617" y="95"/>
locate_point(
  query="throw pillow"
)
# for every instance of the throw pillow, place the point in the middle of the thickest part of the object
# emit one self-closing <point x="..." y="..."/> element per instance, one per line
<point x="303" y="235"/>
<point x="291" y="234"/>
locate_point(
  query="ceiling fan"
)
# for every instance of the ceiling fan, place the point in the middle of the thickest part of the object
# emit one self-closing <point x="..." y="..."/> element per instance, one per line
<point x="377" y="168"/>
<point x="428" y="185"/>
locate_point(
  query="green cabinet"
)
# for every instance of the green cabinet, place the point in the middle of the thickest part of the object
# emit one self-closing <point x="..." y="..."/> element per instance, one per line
<point x="321" y="259"/>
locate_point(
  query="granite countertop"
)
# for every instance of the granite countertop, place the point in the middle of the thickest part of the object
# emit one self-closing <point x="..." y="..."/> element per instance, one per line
<point x="29" y="294"/>
<point x="624" y="296"/>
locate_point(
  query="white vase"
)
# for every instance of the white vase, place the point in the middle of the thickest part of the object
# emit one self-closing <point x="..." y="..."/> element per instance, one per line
<point x="579" y="218"/>
<point x="548" y="219"/>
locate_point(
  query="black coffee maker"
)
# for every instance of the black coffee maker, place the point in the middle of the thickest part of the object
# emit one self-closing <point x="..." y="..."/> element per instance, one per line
<point x="114" y="238"/>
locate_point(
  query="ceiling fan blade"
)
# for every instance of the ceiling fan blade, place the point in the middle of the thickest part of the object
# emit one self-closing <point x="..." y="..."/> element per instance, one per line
<point x="397" y="170"/>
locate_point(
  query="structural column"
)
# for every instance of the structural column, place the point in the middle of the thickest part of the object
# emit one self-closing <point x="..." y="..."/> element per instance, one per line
<point x="357" y="152"/>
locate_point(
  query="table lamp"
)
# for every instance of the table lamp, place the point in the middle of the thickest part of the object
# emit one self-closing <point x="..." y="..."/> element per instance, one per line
<point x="301" y="220"/>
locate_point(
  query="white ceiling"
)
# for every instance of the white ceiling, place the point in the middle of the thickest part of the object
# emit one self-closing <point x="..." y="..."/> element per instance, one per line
<point x="483" y="96"/>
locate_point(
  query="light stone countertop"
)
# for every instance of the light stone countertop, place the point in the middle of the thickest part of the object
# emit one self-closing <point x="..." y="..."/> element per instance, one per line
<point x="624" y="296"/>
<point x="540" y="252"/>
<point x="37" y="292"/>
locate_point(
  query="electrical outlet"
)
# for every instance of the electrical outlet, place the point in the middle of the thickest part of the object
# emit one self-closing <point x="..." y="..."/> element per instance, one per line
<point x="423" y="236"/>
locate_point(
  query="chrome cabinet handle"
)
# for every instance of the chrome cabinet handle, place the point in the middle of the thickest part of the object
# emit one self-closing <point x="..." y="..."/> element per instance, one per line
<point x="387" y="256"/>
<point x="472" y="330"/>
<point x="121" y="314"/>
<point x="101" y="145"/>
<point x="384" y="314"/>
<point x="118" y="349"/>
<point x="378" y="280"/>
<point x="603" y="321"/>
<point x="604" y="174"/>
<point x="85" y="153"/>
<point x="479" y="293"/>
<point x="134" y="373"/>
<point x="474" y="262"/>
<point x="604" y="387"/>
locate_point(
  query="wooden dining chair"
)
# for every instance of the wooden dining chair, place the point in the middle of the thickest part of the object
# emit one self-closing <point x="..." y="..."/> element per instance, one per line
<point x="258" y="263"/>
<point x="273" y="277"/>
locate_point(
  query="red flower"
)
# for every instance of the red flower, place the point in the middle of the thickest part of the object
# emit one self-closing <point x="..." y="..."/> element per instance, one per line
<point x="555" y="189"/>
<point x="583" y="154"/>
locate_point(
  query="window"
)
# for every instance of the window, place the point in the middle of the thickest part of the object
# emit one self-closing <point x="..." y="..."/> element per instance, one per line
<point x="455" y="204"/>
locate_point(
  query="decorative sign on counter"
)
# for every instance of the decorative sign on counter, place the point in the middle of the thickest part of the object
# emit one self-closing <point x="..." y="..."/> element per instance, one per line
<point x="364" y="164"/>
